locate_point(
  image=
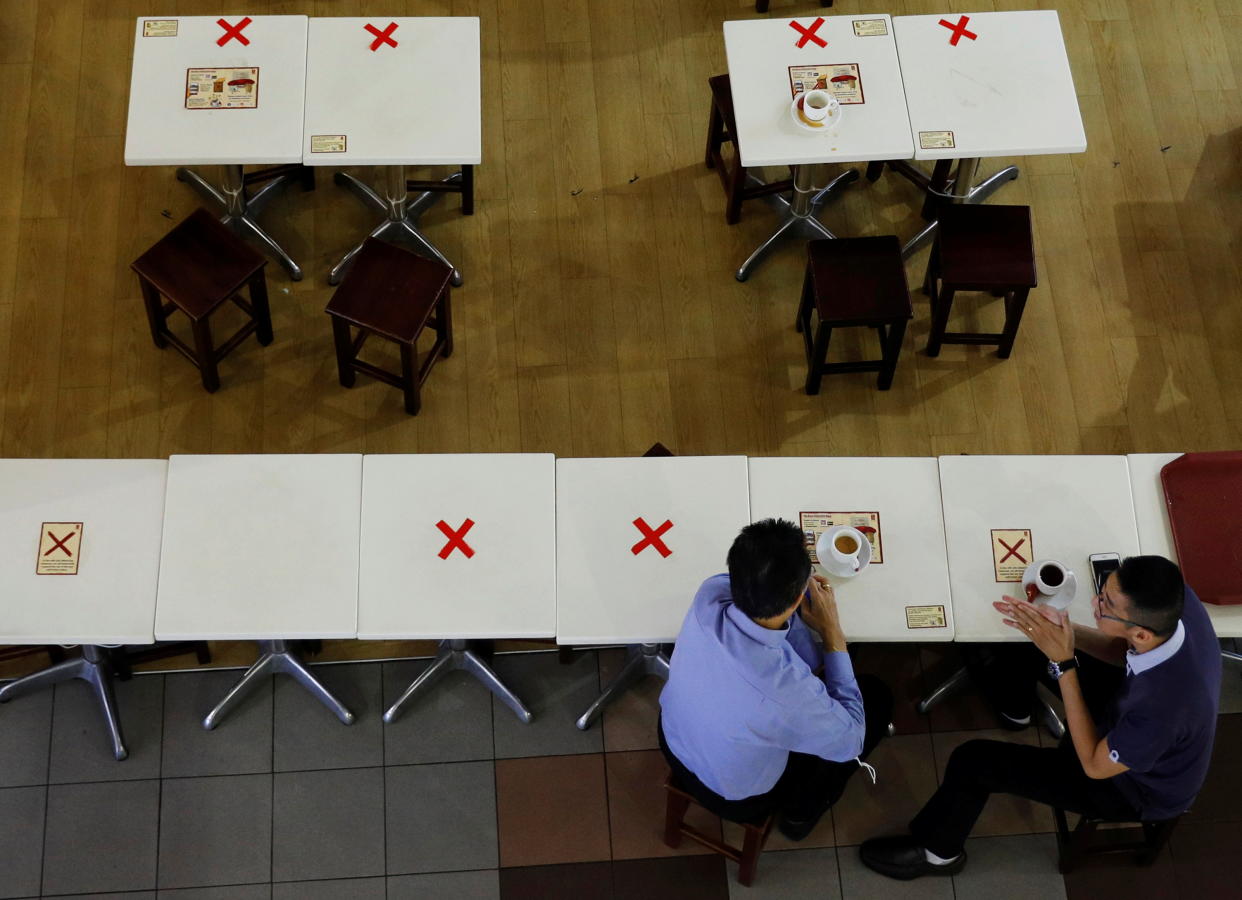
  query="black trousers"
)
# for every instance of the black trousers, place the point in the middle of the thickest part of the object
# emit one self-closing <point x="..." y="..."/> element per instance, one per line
<point x="809" y="785"/>
<point x="1052" y="775"/>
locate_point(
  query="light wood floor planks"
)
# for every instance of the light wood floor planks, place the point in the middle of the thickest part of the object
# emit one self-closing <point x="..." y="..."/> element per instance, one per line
<point x="599" y="312"/>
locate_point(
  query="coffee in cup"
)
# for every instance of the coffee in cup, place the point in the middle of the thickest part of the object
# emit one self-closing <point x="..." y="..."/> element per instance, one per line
<point x="1049" y="576"/>
<point x="845" y="543"/>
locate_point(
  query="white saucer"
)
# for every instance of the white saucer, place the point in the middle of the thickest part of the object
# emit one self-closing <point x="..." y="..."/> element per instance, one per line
<point x="830" y="565"/>
<point x="832" y="121"/>
<point x="1062" y="598"/>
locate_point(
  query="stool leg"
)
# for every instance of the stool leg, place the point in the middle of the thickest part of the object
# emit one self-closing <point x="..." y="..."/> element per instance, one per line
<point x="803" y="318"/>
<point x="715" y="125"/>
<point x="409" y="378"/>
<point x="467" y="190"/>
<point x="205" y="354"/>
<point x="819" y="355"/>
<point x="262" y="309"/>
<point x="874" y="170"/>
<point x="344" y="352"/>
<point x="941" y="304"/>
<point x="674" y="813"/>
<point x="155" y="311"/>
<point x="761" y="6"/>
<point x="737" y="181"/>
<point x="749" y="862"/>
<point x="892" y="347"/>
<point x="444" y="321"/>
<point x="1015" y="303"/>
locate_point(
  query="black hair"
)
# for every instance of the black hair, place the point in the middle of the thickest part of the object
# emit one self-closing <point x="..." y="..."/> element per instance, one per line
<point x="1156" y="592"/>
<point x="768" y="567"/>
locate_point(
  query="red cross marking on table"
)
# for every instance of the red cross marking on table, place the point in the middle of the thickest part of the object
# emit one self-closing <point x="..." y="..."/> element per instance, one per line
<point x="808" y="34"/>
<point x="381" y="37"/>
<point x="59" y="543"/>
<point x="1013" y="551"/>
<point x="958" y="30"/>
<point x="455" y="541"/>
<point x="651" y="538"/>
<point x="233" y="31"/>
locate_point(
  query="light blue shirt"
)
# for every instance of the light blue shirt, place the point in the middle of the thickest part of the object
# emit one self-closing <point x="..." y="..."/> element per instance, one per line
<point x="1138" y="663"/>
<point x="740" y="697"/>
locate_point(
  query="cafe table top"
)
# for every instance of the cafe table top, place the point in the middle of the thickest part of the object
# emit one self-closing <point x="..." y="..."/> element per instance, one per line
<point x="897" y="598"/>
<point x="103" y="514"/>
<point x="608" y="593"/>
<point x="458" y="546"/>
<point x="260" y="547"/>
<point x="760" y="52"/>
<point x="1073" y="506"/>
<point x="418" y="103"/>
<point x="1007" y="91"/>
<point x="161" y="131"/>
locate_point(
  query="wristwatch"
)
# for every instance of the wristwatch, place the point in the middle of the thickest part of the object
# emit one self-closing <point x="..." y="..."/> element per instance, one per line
<point x="1057" y="669"/>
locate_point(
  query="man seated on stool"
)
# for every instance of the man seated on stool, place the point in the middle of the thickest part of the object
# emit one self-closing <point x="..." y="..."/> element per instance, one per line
<point x="757" y="717"/>
<point x="1141" y="721"/>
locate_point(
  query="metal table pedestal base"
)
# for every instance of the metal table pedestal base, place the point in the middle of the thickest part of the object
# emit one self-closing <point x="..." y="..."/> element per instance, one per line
<point x="275" y="658"/>
<point x="640" y="660"/>
<point x="454" y="655"/>
<point x="1052" y="721"/>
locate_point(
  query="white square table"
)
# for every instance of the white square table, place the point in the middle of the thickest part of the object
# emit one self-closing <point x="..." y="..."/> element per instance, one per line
<point x="118" y="505"/>
<point x="986" y="84"/>
<point x="905" y="492"/>
<point x="760" y="52"/>
<point x="1156" y="537"/>
<point x="162" y="131"/>
<point x="402" y="92"/>
<point x="262" y="548"/>
<point x="458" y="547"/>
<point x="1073" y="506"/>
<point x="635" y="538"/>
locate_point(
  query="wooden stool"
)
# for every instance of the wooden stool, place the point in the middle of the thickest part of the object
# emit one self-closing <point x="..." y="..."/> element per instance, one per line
<point x="1144" y="839"/>
<point x="747" y="857"/>
<point x="394" y="293"/>
<point x="761" y="6"/>
<point x="199" y="265"/>
<point x="854" y="282"/>
<point x="980" y="248"/>
<point x="721" y="129"/>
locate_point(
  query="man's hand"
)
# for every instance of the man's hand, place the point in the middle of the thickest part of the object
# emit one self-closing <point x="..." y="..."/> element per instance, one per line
<point x="819" y="611"/>
<point x="1049" y="629"/>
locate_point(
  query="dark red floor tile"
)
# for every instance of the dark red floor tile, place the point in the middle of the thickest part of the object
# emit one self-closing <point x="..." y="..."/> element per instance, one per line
<point x="675" y="878"/>
<point x="899" y="667"/>
<point x="576" y="881"/>
<point x="1218" y="801"/>
<point x="1117" y="875"/>
<point x="1206" y="859"/>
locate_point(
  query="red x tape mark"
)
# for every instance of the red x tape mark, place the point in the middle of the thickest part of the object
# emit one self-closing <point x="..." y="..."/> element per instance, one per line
<point x="958" y="30"/>
<point x="651" y="538"/>
<point x="455" y="541"/>
<point x="1013" y="551"/>
<point x="381" y="37"/>
<point x="808" y="34"/>
<point x="59" y="543"/>
<point x="233" y="31"/>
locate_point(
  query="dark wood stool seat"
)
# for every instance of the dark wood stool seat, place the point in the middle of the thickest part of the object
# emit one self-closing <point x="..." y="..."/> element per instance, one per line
<point x="1144" y="839"/>
<point x="394" y="293"/>
<point x="854" y="282"/>
<point x="198" y="266"/>
<point x="675" y="827"/>
<point x="980" y="248"/>
<point x="722" y="129"/>
<point x="761" y="6"/>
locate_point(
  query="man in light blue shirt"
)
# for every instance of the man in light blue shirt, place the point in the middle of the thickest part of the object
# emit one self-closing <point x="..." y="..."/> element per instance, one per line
<point x="758" y="715"/>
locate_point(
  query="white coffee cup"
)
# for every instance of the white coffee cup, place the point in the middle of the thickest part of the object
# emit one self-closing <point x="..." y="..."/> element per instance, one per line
<point x="817" y="104"/>
<point x="1050" y="577"/>
<point x="846" y="547"/>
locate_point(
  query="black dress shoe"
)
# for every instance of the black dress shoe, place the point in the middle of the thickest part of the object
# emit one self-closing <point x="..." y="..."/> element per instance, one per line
<point x="903" y="858"/>
<point x="796" y="829"/>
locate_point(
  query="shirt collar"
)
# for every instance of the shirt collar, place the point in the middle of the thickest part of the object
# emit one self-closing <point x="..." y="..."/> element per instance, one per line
<point x="1138" y="663"/>
<point x="772" y="637"/>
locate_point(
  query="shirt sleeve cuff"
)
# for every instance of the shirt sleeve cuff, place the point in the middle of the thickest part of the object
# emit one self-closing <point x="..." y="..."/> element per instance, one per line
<point x="837" y="667"/>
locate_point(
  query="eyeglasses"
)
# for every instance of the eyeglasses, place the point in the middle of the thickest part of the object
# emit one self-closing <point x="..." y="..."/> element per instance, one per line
<point x="1101" y="599"/>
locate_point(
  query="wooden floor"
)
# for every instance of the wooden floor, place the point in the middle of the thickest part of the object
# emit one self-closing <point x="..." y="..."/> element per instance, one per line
<point x="599" y="311"/>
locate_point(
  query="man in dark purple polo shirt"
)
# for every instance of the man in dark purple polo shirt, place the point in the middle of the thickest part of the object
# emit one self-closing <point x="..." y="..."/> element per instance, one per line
<point x="1141" y="721"/>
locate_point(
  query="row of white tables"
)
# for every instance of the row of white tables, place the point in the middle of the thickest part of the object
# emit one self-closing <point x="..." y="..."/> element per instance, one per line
<point x="387" y="92"/>
<point x="274" y="548"/>
<point x="933" y="87"/>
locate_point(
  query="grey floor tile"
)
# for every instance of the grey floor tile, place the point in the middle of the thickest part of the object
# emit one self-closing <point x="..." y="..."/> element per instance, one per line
<point x="1021" y="867"/>
<point x="328" y="824"/>
<point x="310" y="736"/>
<point x="482" y="885"/>
<point x="101" y="837"/>
<point x="240" y="745"/>
<point x="81" y="750"/>
<point x="791" y="875"/>
<point x="229" y="892"/>
<point x="21" y="840"/>
<point x="452" y="721"/>
<point x="117" y="895"/>
<point x="216" y="831"/>
<point x="441" y="817"/>
<point x="860" y="883"/>
<point x="25" y="729"/>
<point x="557" y="695"/>
<point x="340" y="889"/>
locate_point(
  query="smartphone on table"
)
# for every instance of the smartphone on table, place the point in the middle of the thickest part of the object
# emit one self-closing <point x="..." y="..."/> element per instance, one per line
<point x="1103" y="565"/>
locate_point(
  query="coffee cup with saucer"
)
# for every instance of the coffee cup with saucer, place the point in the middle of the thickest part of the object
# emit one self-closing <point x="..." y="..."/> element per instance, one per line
<point x="836" y="562"/>
<point x="1055" y="584"/>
